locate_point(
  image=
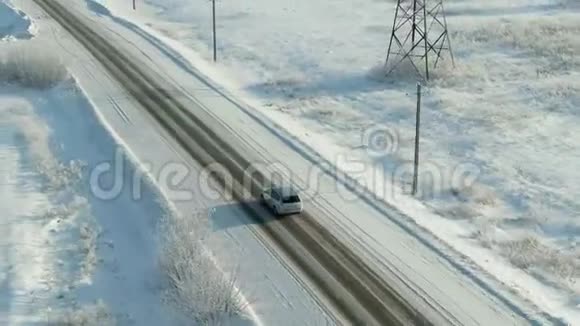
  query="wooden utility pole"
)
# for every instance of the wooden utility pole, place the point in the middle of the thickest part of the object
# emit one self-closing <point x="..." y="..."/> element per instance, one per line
<point x="417" y="128"/>
<point x="214" y="36"/>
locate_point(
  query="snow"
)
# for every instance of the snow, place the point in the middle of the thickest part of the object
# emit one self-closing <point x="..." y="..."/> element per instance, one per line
<point x="17" y="227"/>
<point x="89" y="119"/>
<point x="506" y="114"/>
<point x="14" y="24"/>
<point x="42" y="220"/>
<point x="64" y="249"/>
<point x="67" y="255"/>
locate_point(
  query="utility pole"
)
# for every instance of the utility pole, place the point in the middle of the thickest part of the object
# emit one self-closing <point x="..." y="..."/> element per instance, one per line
<point x="134" y="5"/>
<point x="214" y="36"/>
<point x="417" y="127"/>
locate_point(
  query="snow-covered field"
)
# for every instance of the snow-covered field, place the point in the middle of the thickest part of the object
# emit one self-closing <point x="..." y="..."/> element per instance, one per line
<point x="506" y="114"/>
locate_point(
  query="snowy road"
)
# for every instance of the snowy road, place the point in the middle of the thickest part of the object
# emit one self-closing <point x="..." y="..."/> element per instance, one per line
<point x="393" y="243"/>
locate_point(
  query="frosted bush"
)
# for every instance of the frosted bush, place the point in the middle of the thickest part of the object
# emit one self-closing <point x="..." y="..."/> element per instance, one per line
<point x="196" y="286"/>
<point x="91" y="315"/>
<point x="30" y="66"/>
<point x="476" y="193"/>
<point x="459" y="212"/>
<point x="548" y="37"/>
<point x="530" y="253"/>
<point x="60" y="175"/>
<point x="88" y="234"/>
<point x="61" y="212"/>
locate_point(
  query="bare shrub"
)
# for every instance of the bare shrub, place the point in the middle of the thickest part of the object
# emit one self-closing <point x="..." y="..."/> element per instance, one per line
<point x="530" y="253"/>
<point x="88" y="234"/>
<point x="195" y="285"/>
<point x="58" y="175"/>
<point x="459" y="211"/>
<point x="523" y="253"/>
<point x="476" y="193"/>
<point x="29" y="66"/>
<point x="60" y="212"/>
<point x="91" y="315"/>
<point x="528" y="33"/>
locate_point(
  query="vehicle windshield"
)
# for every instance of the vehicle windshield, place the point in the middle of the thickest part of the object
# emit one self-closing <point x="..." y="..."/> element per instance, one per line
<point x="291" y="199"/>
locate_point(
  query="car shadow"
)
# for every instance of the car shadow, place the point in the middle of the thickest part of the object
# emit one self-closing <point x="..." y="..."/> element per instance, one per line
<point x="232" y="215"/>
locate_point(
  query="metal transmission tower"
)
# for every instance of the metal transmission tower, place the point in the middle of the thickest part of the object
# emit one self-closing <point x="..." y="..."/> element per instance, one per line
<point x="419" y="35"/>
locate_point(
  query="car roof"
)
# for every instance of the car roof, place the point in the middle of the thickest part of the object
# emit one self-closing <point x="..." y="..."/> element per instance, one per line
<point x="285" y="191"/>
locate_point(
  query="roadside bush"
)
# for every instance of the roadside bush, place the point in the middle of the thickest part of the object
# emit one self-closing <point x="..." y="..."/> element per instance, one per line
<point x="529" y="253"/>
<point x="195" y="285"/>
<point x="91" y="315"/>
<point x="28" y="65"/>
